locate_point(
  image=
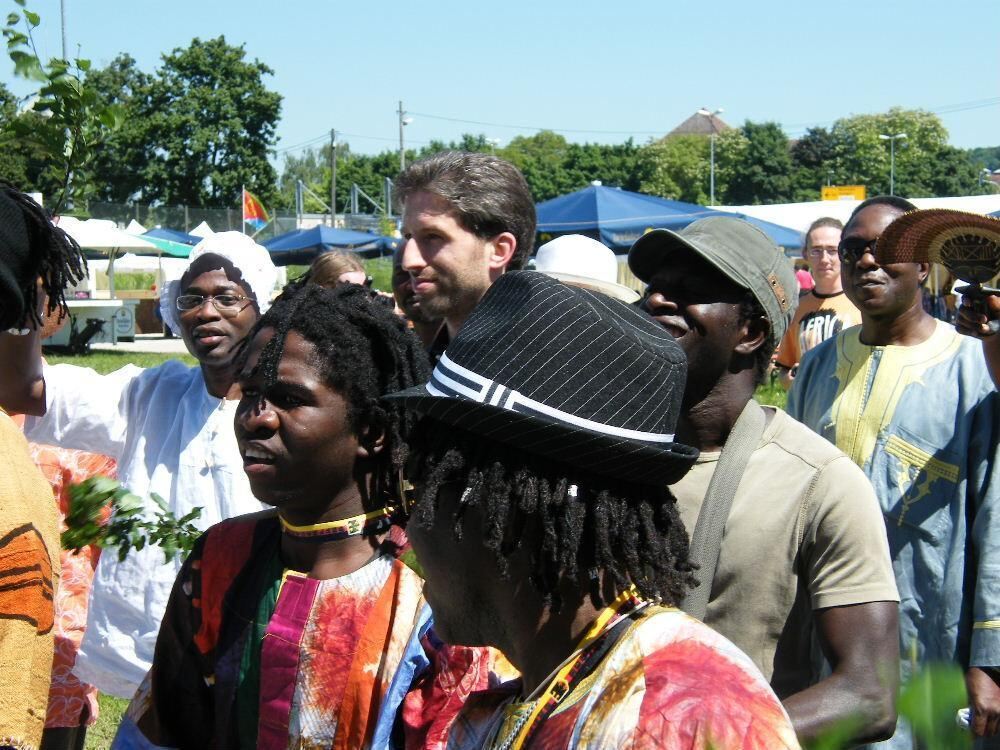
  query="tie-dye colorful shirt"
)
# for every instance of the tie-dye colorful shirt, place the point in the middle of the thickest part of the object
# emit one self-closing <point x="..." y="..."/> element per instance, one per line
<point x="668" y="681"/>
<point x="251" y="655"/>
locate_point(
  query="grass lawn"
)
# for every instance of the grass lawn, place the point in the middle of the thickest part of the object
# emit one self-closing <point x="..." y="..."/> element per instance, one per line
<point x="100" y="735"/>
<point x="105" y="362"/>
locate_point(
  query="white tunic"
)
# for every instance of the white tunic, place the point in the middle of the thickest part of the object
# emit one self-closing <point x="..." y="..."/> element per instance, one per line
<point x="170" y="437"/>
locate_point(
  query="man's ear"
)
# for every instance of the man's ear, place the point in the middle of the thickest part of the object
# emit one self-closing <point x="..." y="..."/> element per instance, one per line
<point x="756" y="331"/>
<point x="501" y="248"/>
<point x="370" y="442"/>
<point x="923" y="269"/>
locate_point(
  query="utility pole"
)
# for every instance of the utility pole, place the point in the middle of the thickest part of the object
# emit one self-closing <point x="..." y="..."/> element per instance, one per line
<point x="333" y="178"/>
<point x="62" y="15"/>
<point x="892" y="157"/>
<point x="403" y="122"/>
<point x="710" y="114"/>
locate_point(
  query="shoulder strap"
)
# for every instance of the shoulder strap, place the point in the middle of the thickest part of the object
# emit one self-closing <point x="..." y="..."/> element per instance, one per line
<point x="706" y="541"/>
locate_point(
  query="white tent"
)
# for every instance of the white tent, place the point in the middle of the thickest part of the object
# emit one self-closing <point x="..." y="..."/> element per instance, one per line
<point x="202" y="230"/>
<point x="101" y="234"/>
<point x="800" y="215"/>
<point x="134" y="227"/>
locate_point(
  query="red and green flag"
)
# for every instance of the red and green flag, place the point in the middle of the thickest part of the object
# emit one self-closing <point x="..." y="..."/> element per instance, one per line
<point x="254" y="213"/>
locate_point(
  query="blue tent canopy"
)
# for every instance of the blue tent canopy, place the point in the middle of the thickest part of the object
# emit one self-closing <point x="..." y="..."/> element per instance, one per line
<point x="781" y="235"/>
<point x="301" y="246"/>
<point x="996" y="214"/>
<point x="619" y="217"/>
<point x="615" y="217"/>
<point x="173" y="235"/>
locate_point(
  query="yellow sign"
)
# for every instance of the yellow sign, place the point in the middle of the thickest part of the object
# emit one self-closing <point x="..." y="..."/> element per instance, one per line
<point x="844" y="192"/>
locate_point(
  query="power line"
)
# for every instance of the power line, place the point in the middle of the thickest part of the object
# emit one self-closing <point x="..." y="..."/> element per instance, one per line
<point x="535" y="127"/>
<point x="791" y="129"/>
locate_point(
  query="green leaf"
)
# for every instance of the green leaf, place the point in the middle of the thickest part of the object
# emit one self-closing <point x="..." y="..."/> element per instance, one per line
<point x="83" y="64"/>
<point x="929" y="702"/>
<point x="12" y="18"/>
<point x="32" y="17"/>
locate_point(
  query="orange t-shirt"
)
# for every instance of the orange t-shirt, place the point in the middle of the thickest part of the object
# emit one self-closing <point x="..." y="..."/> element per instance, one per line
<point x="818" y="318"/>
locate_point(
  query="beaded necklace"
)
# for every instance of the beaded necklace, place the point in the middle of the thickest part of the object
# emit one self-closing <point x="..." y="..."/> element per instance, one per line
<point x="365" y="524"/>
<point x="551" y="694"/>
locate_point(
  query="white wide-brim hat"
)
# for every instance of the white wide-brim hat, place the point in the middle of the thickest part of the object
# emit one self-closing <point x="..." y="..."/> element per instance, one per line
<point x="583" y="262"/>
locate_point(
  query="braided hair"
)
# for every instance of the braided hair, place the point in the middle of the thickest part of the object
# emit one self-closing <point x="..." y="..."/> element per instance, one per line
<point x="32" y="247"/>
<point x="579" y="524"/>
<point x="363" y="350"/>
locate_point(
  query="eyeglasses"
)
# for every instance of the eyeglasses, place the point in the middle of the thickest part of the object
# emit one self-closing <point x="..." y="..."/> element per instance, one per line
<point x="228" y="305"/>
<point x="851" y="249"/>
<point x="818" y="251"/>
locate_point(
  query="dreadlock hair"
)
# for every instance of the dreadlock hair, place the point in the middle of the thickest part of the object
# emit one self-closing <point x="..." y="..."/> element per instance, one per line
<point x="575" y="524"/>
<point x="363" y="350"/>
<point x="32" y="248"/>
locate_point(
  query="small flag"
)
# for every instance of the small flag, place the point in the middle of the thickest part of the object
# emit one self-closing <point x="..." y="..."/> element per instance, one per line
<point x="253" y="210"/>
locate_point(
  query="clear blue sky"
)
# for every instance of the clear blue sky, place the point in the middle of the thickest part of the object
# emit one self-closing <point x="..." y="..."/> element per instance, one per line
<point x="595" y="71"/>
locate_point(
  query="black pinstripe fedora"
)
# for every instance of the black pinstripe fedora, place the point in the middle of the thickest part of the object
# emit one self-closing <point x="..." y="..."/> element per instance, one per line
<point x="565" y="373"/>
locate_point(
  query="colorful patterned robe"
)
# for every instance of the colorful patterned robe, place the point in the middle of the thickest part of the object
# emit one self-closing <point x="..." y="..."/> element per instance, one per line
<point x="69" y="698"/>
<point x="250" y="655"/>
<point x="668" y="681"/>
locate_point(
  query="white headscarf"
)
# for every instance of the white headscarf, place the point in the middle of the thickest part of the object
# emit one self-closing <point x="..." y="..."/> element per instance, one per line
<point x="251" y="259"/>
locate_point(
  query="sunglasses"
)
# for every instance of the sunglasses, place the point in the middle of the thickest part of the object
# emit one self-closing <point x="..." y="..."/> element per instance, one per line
<point x="851" y="249"/>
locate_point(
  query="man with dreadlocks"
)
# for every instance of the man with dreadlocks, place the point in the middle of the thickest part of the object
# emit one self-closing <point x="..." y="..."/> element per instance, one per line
<point x="169" y="428"/>
<point x="31" y="250"/>
<point x="301" y="626"/>
<point x="544" y="528"/>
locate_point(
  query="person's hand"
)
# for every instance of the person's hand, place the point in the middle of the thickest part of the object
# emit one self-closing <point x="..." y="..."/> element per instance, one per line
<point x="984" y="700"/>
<point x="975" y="324"/>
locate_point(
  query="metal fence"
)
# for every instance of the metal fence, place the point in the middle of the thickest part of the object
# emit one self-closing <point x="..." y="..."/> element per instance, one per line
<point x="186" y="218"/>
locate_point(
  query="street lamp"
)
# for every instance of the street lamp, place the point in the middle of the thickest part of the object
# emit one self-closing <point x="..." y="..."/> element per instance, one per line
<point x="892" y="158"/>
<point x="704" y="112"/>
<point x="403" y="121"/>
<point x="493" y="143"/>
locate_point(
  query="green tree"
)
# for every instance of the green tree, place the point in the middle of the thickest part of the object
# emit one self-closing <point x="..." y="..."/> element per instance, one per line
<point x="541" y="158"/>
<point x="14" y="156"/>
<point x="210" y="124"/>
<point x="815" y="162"/>
<point x="987" y="157"/>
<point x="677" y="167"/>
<point x="615" y="165"/>
<point x="925" y="164"/>
<point x="67" y="122"/>
<point x="760" y="171"/>
<point x="121" y="165"/>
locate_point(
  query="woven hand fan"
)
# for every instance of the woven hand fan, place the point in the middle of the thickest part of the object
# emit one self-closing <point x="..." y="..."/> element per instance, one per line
<point x="967" y="244"/>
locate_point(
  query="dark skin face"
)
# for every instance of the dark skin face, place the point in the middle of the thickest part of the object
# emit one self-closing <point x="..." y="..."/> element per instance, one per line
<point x="299" y="450"/>
<point x="701" y="309"/>
<point x="474" y="606"/>
<point x="214" y="339"/>
<point x="887" y="291"/>
<point x="457" y="572"/>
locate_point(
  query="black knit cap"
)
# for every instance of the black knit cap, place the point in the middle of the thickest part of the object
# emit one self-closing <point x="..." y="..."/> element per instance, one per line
<point x="18" y="266"/>
<point x="566" y="373"/>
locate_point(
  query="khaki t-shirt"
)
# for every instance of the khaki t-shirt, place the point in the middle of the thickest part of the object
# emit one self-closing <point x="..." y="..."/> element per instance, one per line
<point x="805" y="532"/>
